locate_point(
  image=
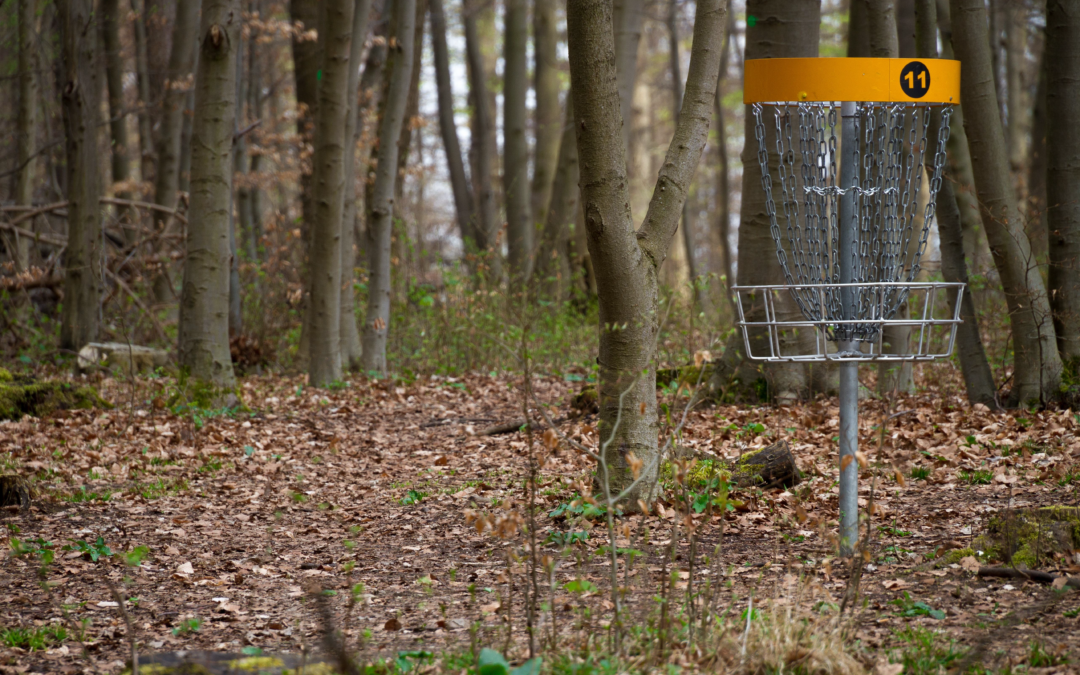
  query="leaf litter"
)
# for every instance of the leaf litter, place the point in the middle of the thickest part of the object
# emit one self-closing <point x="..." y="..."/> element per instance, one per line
<point x="382" y="491"/>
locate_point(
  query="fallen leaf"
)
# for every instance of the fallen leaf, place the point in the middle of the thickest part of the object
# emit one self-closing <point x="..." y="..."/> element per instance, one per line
<point x="970" y="564"/>
<point x="392" y="624"/>
<point x="185" y="569"/>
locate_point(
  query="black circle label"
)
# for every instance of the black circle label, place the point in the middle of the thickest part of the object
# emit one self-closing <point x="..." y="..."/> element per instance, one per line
<point x="915" y="79"/>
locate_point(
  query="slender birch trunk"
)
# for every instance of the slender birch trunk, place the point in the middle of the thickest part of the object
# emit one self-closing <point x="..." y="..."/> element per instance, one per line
<point x="1037" y="364"/>
<point x="629" y="15"/>
<point x="26" y="122"/>
<point x="626" y="261"/>
<point x="1063" y="174"/>
<point x="548" y="118"/>
<point x="381" y="208"/>
<point x="142" y="79"/>
<point x="399" y="238"/>
<point x="350" y="335"/>
<point x="79" y="86"/>
<point x="552" y="273"/>
<point x="114" y="87"/>
<point x="483" y="145"/>
<point x="204" y="327"/>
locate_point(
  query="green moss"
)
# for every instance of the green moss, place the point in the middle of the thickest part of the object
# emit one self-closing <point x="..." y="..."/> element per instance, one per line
<point x="255" y="663"/>
<point x="587" y="400"/>
<point x="158" y="669"/>
<point x="41" y="398"/>
<point x="690" y="375"/>
<point x="1031" y="536"/>
<point x="5" y="375"/>
<point x="703" y="472"/>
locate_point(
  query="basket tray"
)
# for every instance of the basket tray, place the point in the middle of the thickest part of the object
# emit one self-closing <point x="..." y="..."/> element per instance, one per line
<point x="774" y="330"/>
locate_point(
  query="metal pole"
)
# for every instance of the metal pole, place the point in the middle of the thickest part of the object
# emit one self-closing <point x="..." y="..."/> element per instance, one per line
<point x="849" y="370"/>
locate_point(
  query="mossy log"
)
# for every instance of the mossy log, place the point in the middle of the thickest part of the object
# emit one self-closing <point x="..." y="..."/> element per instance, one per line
<point x="15" y="491"/>
<point x="24" y="396"/>
<point x="224" y="663"/>
<point x="773" y="466"/>
<point x="1031" y="537"/>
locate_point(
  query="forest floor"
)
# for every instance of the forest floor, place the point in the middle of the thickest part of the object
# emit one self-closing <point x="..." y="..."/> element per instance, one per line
<point x="244" y="514"/>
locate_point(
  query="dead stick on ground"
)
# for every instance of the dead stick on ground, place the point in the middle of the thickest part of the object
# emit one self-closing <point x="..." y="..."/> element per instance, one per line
<point x="130" y="627"/>
<point x="1028" y="575"/>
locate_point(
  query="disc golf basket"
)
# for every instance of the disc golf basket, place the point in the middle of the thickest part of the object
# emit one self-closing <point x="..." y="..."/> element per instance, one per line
<point x="842" y="145"/>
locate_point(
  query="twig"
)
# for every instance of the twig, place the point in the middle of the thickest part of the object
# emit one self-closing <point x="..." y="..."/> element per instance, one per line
<point x="130" y="627"/>
<point x="138" y="303"/>
<point x="175" y="213"/>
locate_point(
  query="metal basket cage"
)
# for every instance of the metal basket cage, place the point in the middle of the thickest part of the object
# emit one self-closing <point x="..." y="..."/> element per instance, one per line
<point x="780" y="335"/>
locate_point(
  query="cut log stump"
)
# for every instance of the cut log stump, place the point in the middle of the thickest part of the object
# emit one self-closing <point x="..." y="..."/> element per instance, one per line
<point x="772" y="466"/>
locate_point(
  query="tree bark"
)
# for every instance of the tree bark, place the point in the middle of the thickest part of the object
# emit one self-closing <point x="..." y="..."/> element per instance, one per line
<point x="170" y="147"/>
<point x="723" y="181"/>
<point x="627" y="261"/>
<point x="483" y="146"/>
<point x="1063" y="173"/>
<point x="26" y="122"/>
<point x="881" y="24"/>
<point x="552" y="261"/>
<point x="455" y="164"/>
<point x="381" y="208"/>
<point x="114" y="87"/>
<point x="79" y="86"/>
<point x="627" y="21"/>
<point x="1035" y="208"/>
<point x="350" y="335"/>
<point x="142" y="79"/>
<point x="204" y="325"/>
<point x="978" y="378"/>
<point x="548" y="119"/>
<point x="328" y="163"/>
<point x="519" y="227"/>
<point x="1037" y="364"/>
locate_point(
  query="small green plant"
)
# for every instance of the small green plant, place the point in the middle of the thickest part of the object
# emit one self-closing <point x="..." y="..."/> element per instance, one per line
<point x="976" y="476"/>
<point x="492" y="662"/>
<point x="564" y="539"/>
<point x="921" y="472"/>
<point x="298" y="497"/>
<point x="95" y="550"/>
<point x="925" y="652"/>
<point x="412" y="497"/>
<point x="186" y="626"/>
<point x="578" y="507"/>
<point x="83" y="495"/>
<point x="33" y="639"/>
<point x="580" y="586"/>
<point x="161" y="488"/>
<point x="911" y="608"/>
<point x="1072" y="613"/>
<point x="212" y="465"/>
<point x="893" y="530"/>
<point x="1039" y="656"/>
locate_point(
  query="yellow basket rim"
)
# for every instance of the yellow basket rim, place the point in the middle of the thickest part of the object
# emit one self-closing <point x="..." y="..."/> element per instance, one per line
<point x="871" y="80"/>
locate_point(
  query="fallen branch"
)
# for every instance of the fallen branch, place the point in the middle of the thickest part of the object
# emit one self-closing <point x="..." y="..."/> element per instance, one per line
<point x="38" y="237"/>
<point x="513" y="425"/>
<point x="145" y="205"/>
<point x="1028" y="575"/>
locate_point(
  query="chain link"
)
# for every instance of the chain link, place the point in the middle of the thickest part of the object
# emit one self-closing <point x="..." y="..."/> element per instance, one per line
<point x="889" y="155"/>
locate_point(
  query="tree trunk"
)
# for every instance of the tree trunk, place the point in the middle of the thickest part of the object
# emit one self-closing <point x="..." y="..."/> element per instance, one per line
<point x="1037" y="365"/>
<point x="79" y="86"/>
<point x="519" y="227"/>
<point x="204" y="326"/>
<point x="114" y="87"/>
<point x="723" y="181"/>
<point x="701" y="292"/>
<point x="1035" y="208"/>
<point x="627" y="261"/>
<point x="459" y="182"/>
<point x="170" y="146"/>
<point x="26" y="132"/>
<point x="142" y="79"/>
<point x="627" y="21"/>
<point x="1063" y="174"/>
<point x="552" y="272"/>
<point x="350" y="335"/>
<point x="239" y="206"/>
<point x="978" y="377"/>
<point x="548" y="118"/>
<point x="255" y="111"/>
<point x="381" y="208"/>
<point x="483" y="146"/>
<point x="1016" y="56"/>
<point x="881" y="24"/>
<point x="328" y="163"/>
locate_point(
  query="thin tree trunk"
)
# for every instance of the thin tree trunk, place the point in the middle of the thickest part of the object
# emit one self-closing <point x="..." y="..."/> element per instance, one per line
<point x="255" y="109"/>
<point x="239" y="206"/>
<point x="978" y="377"/>
<point x="1035" y="208"/>
<point x="114" y="86"/>
<point x="459" y="182"/>
<point x="26" y="132"/>
<point x="204" y="326"/>
<point x="547" y="116"/>
<point x="723" y="181"/>
<point x="626" y="261"/>
<point x="79" y="86"/>
<point x="1063" y="175"/>
<point x="1016" y="56"/>
<point x="170" y="149"/>
<point x="629" y="15"/>
<point x="552" y="272"/>
<point x="519" y="227"/>
<point x="881" y="24"/>
<point x="400" y="237"/>
<point x="142" y="79"/>
<point x="381" y="208"/>
<point x="483" y="142"/>
<point x="350" y="335"/>
<point x="335" y="34"/>
<point x="701" y="292"/>
<point x="1037" y="364"/>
